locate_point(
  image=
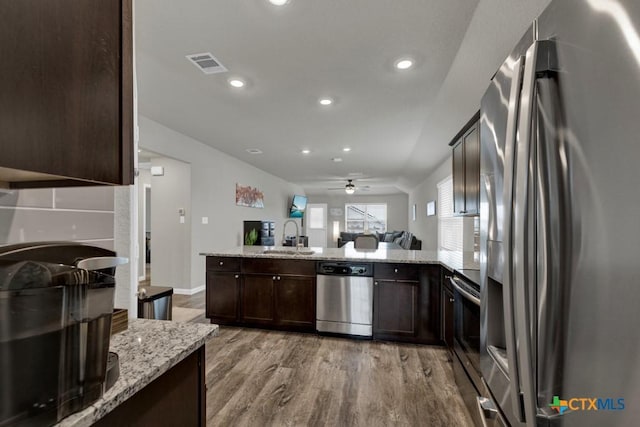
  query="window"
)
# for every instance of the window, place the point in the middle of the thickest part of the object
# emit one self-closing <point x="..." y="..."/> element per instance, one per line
<point x="363" y="217"/>
<point x="450" y="228"/>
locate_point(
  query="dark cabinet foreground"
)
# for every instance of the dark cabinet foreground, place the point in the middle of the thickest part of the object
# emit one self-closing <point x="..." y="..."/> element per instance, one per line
<point x="466" y="170"/>
<point x="66" y="103"/>
<point x="295" y="302"/>
<point x="257" y="299"/>
<point x="176" y="398"/>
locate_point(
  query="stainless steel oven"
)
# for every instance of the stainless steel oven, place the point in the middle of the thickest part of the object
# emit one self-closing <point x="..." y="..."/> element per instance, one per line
<point x="466" y="340"/>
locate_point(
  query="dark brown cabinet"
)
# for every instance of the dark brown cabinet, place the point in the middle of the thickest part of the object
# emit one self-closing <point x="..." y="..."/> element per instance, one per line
<point x="466" y="171"/>
<point x="257" y="299"/>
<point x="406" y="302"/>
<point x="447" y="310"/>
<point x="395" y="309"/>
<point x="223" y="289"/>
<point x="270" y="292"/>
<point x="295" y="301"/>
<point x="66" y="103"/>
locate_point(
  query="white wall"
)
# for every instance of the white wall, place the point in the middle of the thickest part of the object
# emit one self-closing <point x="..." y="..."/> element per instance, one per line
<point x="144" y="179"/>
<point x="426" y="228"/>
<point x="397" y="212"/>
<point x="171" y="234"/>
<point x="213" y="184"/>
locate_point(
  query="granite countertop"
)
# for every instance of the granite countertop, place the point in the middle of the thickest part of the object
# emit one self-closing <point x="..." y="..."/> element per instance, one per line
<point x="451" y="259"/>
<point x="147" y="349"/>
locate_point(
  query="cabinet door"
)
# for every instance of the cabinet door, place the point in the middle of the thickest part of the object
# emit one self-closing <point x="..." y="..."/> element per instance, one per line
<point x="447" y="317"/>
<point x="67" y="93"/>
<point x="472" y="171"/>
<point x="295" y="302"/>
<point x="458" y="178"/>
<point x="257" y="298"/>
<point x="395" y="309"/>
<point x="222" y="296"/>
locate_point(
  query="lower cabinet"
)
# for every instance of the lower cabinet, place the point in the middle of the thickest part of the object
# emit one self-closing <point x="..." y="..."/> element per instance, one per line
<point x="395" y="309"/>
<point x="262" y="292"/>
<point x="257" y="299"/>
<point x="447" y="316"/>
<point x="176" y="398"/>
<point x="295" y="302"/>
<point x="407" y="303"/>
<point x="222" y="296"/>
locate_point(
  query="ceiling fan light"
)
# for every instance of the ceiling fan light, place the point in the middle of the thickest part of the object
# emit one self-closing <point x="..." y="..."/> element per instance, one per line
<point x="349" y="188"/>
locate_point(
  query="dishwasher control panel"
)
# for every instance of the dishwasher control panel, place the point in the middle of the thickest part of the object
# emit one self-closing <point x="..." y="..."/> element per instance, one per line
<point x="345" y="269"/>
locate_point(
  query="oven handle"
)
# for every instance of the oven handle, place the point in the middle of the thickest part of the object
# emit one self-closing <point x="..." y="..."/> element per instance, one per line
<point x="474" y="299"/>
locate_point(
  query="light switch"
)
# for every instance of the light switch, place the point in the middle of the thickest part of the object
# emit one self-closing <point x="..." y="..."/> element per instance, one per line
<point x="181" y="219"/>
<point x="205" y="220"/>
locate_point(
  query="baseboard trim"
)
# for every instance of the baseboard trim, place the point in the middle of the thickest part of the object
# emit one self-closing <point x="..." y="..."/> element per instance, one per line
<point x="188" y="291"/>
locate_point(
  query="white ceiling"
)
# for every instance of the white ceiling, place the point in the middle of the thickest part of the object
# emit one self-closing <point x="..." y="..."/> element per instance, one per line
<point x="397" y="123"/>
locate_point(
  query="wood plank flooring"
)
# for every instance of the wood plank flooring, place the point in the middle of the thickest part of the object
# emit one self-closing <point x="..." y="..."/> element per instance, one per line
<point x="268" y="378"/>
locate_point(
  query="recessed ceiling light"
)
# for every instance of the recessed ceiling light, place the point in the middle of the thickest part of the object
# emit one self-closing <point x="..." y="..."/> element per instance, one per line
<point x="254" y="150"/>
<point x="337" y="159"/>
<point x="237" y="83"/>
<point x="325" y="101"/>
<point x="278" y="2"/>
<point x="404" y="64"/>
<point x="305" y="151"/>
<point x="346" y="149"/>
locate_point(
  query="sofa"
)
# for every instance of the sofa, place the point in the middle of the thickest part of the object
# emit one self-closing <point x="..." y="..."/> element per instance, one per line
<point x="403" y="238"/>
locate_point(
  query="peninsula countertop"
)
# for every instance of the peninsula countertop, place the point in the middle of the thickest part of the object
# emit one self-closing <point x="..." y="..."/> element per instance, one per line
<point x="453" y="260"/>
<point x="147" y="349"/>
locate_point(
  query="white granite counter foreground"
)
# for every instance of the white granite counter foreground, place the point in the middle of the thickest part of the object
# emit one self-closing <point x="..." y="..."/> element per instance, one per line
<point x="451" y="259"/>
<point x="147" y="349"/>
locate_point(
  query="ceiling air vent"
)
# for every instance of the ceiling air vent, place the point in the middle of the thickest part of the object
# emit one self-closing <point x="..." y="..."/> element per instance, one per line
<point x="207" y="63"/>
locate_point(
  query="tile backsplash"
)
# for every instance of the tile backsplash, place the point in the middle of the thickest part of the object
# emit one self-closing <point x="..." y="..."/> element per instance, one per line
<point x="83" y="214"/>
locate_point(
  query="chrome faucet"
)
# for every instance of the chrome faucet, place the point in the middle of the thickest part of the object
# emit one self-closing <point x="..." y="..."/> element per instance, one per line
<point x="284" y="228"/>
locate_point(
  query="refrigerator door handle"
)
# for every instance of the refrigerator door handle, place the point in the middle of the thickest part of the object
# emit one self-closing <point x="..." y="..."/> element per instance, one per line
<point x="522" y="218"/>
<point x="507" y="280"/>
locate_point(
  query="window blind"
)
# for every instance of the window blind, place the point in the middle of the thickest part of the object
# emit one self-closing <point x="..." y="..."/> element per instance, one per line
<point x="450" y="228"/>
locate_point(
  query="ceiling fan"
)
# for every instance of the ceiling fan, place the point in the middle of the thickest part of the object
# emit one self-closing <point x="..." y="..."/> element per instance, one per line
<point x="350" y="188"/>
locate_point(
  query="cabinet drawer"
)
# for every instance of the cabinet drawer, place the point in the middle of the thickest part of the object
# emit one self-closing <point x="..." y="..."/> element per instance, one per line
<point x="397" y="271"/>
<point x="279" y="266"/>
<point x="219" y="263"/>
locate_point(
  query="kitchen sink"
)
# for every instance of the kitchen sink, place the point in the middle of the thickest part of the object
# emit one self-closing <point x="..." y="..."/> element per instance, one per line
<point x="289" y="251"/>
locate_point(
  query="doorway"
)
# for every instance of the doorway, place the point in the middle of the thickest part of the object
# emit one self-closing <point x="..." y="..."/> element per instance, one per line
<point x="316" y="218"/>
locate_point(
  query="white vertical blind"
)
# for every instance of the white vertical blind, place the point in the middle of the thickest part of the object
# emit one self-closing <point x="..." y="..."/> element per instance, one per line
<point x="450" y="228"/>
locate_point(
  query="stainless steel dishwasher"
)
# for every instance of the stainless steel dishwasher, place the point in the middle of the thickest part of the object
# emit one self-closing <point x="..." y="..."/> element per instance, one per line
<point x="344" y="303"/>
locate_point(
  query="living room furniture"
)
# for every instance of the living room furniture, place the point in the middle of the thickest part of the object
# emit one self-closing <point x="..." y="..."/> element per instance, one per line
<point x="404" y="239"/>
<point x="365" y="241"/>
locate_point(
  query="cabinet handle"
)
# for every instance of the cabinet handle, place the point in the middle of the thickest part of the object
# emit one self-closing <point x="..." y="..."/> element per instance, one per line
<point x="221" y="262"/>
<point x="452" y="300"/>
<point x="274" y="277"/>
<point x="278" y="277"/>
<point x="446" y="276"/>
<point x="375" y="283"/>
<point x="237" y="275"/>
<point x="395" y="270"/>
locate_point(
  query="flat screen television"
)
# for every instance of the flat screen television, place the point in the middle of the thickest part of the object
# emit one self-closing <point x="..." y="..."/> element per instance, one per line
<point x="298" y="205"/>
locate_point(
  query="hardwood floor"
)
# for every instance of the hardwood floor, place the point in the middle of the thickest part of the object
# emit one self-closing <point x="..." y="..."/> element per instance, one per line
<point x="268" y="378"/>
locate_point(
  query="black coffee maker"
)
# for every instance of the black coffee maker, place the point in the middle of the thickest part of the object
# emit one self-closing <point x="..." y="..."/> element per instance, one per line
<point x="56" y="303"/>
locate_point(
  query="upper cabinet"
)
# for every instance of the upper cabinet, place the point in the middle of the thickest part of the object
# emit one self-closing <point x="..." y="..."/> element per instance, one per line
<point x="66" y="93"/>
<point x="466" y="169"/>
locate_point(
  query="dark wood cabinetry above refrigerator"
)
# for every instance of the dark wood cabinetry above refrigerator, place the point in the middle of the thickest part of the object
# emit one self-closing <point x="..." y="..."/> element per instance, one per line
<point x="466" y="169"/>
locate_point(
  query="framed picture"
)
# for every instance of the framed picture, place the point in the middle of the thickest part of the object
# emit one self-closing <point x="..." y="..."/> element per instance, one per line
<point x="431" y="208"/>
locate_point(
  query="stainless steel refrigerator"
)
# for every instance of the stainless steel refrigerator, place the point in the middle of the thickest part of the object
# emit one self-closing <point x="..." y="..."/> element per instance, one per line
<point x="560" y="221"/>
